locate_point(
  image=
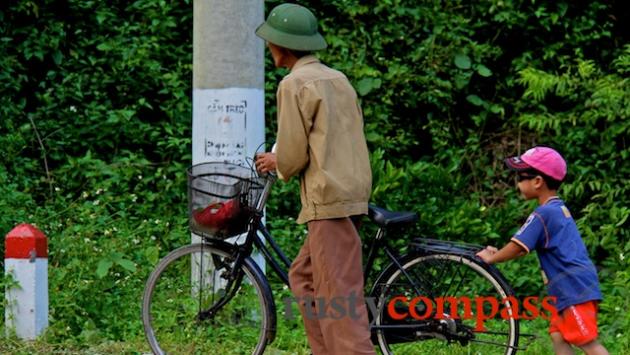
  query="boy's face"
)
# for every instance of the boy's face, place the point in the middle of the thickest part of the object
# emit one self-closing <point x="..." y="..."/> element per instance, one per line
<point x="529" y="185"/>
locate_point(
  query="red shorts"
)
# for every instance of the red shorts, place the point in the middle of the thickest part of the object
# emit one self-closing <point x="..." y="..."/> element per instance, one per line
<point x="577" y="323"/>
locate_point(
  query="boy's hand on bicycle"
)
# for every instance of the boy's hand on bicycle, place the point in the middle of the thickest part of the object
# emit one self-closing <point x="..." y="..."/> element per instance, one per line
<point x="266" y="162"/>
<point x="486" y="253"/>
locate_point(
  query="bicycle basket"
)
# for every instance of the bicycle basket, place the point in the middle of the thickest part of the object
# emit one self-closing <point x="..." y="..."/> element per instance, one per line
<point x="222" y="197"/>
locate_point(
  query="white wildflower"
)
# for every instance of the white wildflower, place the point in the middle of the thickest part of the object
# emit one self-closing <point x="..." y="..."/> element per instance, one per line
<point x="107" y="232"/>
<point x="99" y="191"/>
<point x="85" y="194"/>
<point x="73" y="108"/>
<point x="621" y="256"/>
<point x="57" y="189"/>
<point x="136" y="241"/>
<point x="96" y="202"/>
<point x="157" y="221"/>
<point x="139" y="177"/>
<point x="153" y="237"/>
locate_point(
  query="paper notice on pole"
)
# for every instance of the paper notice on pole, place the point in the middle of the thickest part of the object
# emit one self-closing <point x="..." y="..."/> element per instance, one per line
<point x="228" y="124"/>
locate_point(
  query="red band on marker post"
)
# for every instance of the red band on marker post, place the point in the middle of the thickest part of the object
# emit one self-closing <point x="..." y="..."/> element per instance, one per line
<point x="24" y="242"/>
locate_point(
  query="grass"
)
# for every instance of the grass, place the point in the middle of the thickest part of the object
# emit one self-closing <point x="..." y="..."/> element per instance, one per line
<point x="290" y="339"/>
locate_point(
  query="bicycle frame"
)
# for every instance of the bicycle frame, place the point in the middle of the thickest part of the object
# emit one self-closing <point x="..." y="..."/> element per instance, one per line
<point x="259" y="237"/>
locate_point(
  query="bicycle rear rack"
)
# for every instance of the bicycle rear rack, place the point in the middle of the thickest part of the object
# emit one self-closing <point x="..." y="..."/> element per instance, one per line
<point x="432" y="246"/>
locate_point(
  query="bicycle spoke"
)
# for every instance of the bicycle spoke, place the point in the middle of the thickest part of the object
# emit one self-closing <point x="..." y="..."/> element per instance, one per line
<point x="461" y="280"/>
<point x="443" y="271"/>
<point x="494" y="344"/>
<point x="419" y="282"/>
<point x="491" y="333"/>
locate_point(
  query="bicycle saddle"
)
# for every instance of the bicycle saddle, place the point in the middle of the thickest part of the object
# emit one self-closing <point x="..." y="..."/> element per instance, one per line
<point x="385" y="218"/>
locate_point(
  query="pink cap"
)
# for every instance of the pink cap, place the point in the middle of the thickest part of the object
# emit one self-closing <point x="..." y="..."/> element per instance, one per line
<point x="542" y="159"/>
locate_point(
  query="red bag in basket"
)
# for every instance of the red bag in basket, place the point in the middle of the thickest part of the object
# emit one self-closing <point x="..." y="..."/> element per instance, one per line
<point x="217" y="215"/>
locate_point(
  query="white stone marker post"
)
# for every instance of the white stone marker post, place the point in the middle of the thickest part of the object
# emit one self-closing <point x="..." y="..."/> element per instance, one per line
<point x="26" y="261"/>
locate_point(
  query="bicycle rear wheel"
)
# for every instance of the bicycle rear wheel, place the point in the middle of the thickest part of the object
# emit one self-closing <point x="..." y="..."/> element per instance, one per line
<point x="398" y="329"/>
<point x="182" y="312"/>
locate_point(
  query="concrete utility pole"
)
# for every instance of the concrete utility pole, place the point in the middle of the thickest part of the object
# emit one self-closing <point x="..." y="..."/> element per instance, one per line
<point x="228" y="81"/>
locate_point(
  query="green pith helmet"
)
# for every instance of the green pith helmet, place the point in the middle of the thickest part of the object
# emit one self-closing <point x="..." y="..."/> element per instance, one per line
<point x="292" y="26"/>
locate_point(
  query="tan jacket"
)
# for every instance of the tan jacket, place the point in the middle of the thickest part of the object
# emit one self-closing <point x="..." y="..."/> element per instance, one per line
<point x="320" y="138"/>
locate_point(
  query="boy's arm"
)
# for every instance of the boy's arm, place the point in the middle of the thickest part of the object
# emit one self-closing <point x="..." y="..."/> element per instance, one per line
<point x="510" y="251"/>
<point x="531" y="234"/>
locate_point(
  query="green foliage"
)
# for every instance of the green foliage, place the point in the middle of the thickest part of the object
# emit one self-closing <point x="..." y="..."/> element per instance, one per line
<point x="95" y="127"/>
<point x="95" y="124"/>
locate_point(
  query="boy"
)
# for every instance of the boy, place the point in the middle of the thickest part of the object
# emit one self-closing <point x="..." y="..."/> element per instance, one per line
<point x="320" y="139"/>
<point x="567" y="270"/>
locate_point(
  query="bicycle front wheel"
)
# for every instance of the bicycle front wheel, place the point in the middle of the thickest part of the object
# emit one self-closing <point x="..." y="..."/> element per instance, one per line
<point x="455" y="291"/>
<point x="195" y="303"/>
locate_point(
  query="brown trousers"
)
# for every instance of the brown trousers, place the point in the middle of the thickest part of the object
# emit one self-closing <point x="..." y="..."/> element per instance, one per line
<point x="327" y="280"/>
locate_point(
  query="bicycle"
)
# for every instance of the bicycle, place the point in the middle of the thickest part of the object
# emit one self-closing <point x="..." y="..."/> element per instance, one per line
<point x="226" y="305"/>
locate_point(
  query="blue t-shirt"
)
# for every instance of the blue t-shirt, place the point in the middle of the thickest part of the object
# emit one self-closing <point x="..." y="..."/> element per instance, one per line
<point x="551" y="231"/>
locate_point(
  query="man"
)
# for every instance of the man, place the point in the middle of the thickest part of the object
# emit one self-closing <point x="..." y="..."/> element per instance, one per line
<point x="320" y="139"/>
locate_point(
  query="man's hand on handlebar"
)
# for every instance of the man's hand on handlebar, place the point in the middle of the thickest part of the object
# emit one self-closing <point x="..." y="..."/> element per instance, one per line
<point x="266" y="162"/>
